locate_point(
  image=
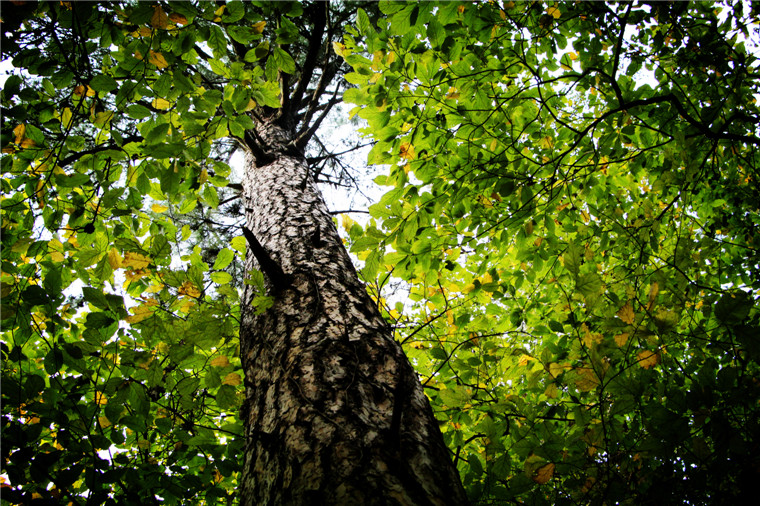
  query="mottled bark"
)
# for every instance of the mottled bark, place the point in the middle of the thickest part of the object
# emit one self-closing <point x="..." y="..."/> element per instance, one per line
<point x="335" y="412"/>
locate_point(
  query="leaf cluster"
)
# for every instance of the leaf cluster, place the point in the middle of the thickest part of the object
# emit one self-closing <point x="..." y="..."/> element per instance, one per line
<point x="573" y="205"/>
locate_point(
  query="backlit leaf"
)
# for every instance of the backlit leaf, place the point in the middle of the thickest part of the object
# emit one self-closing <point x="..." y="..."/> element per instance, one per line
<point x="159" y="18"/>
<point x="158" y="60"/>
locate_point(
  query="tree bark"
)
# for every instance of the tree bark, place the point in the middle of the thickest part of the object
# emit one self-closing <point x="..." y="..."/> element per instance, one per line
<point x="334" y="412"/>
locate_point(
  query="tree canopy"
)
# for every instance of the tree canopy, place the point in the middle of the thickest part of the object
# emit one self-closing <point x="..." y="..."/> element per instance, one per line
<point x="572" y="207"/>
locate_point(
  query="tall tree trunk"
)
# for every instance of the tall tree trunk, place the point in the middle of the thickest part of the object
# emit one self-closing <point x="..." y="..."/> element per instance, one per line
<point x="335" y="412"/>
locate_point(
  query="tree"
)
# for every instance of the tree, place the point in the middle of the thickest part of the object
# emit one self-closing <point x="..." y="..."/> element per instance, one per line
<point x="573" y="203"/>
<point x="573" y="210"/>
<point x="114" y="130"/>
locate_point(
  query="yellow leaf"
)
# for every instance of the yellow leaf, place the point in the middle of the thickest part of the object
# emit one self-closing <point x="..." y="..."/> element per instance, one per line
<point x="66" y="117"/>
<point x="554" y="12"/>
<point x="544" y="474"/>
<point x="233" y="379"/>
<point x="654" y="289"/>
<point x="178" y="19"/>
<point x="556" y="369"/>
<point x="140" y="313"/>
<point x="377" y="59"/>
<point x="135" y="260"/>
<point x="203" y="177"/>
<point x="190" y="289"/>
<point x="347" y="222"/>
<point x="134" y="275"/>
<point x="586" y="217"/>
<point x="407" y="151"/>
<point x="219" y="11"/>
<point x="138" y="55"/>
<point x="161" y="103"/>
<point x="157" y="59"/>
<point x="220" y="361"/>
<point x="102" y="118"/>
<point x="551" y="392"/>
<point x="340" y="49"/>
<point x="20" y="133"/>
<point x="452" y="94"/>
<point x="621" y="339"/>
<point x="27" y="143"/>
<point x="114" y="258"/>
<point x="186" y="305"/>
<point x="586" y="379"/>
<point x="524" y="359"/>
<point x="100" y="398"/>
<point x="648" y="358"/>
<point x="56" y="250"/>
<point x="503" y="15"/>
<point x="158" y="208"/>
<point x="259" y="27"/>
<point x="626" y="313"/>
<point x="144" y="31"/>
<point x="159" y="18"/>
<point x="104" y="422"/>
<point x="572" y="55"/>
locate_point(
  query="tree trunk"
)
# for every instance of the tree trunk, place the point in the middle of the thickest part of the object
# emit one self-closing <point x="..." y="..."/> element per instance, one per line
<point x="334" y="412"/>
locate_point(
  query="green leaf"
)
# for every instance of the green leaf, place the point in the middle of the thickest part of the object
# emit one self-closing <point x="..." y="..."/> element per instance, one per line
<point x="158" y="133"/>
<point x="234" y="12"/>
<point x="226" y="397"/>
<point x="283" y="61"/>
<point x="165" y="150"/>
<point x="217" y="41"/>
<point x="365" y="27"/>
<point x="98" y="320"/>
<point x="210" y="196"/>
<point x="102" y="82"/>
<point x="179" y="353"/>
<point x="572" y="258"/>
<point x="435" y="33"/>
<point x="733" y="308"/>
<point x="223" y="259"/>
<point x="138" y="111"/>
<point x="160" y="248"/>
<point x="221" y="277"/>
<point x="590" y="286"/>
<point x="34" y="295"/>
<point x="95" y="297"/>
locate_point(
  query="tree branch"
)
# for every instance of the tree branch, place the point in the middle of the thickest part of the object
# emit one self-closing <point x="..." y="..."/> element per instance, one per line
<point x="312" y="56"/>
<point x="272" y="269"/>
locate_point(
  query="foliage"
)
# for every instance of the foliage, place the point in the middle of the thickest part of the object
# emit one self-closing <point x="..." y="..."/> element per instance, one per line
<point x="121" y="371"/>
<point x="573" y="203"/>
<point x="580" y="247"/>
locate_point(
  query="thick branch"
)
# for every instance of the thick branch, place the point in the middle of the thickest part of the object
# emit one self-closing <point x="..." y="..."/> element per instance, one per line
<point x="312" y="56"/>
